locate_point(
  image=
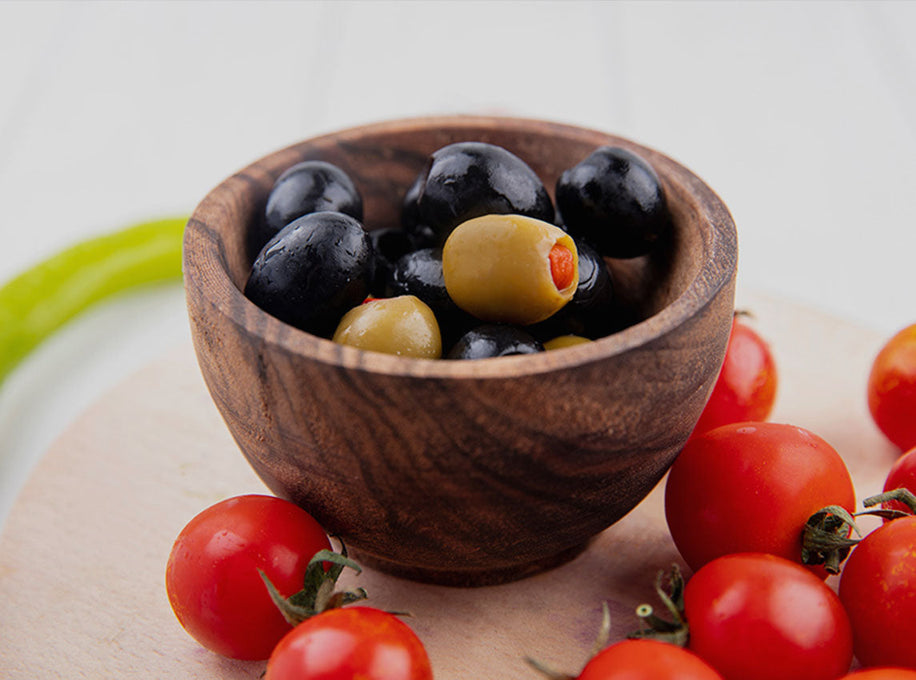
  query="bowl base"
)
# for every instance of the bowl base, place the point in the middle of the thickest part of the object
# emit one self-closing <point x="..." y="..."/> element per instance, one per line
<point x="467" y="578"/>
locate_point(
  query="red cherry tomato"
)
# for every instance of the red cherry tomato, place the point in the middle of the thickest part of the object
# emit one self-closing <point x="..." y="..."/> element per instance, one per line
<point x="212" y="575"/>
<point x="750" y="487"/>
<point x="892" y="389"/>
<point x="878" y="589"/>
<point x="746" y="387"/>
<point x="350" y="643"/>
<point x="902" y="475"/>
<point x="760" y="617"/>
<point x="882" y="674"/>
<point x="647" y="660"/>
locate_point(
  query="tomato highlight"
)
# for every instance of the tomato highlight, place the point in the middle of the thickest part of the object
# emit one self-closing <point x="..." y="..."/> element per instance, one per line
<point x="745" y="389"/>
<point x="892" y="389"/>
<point x="647" y="660"/>
<point x="355" y="642"/>
<point x="759" y="617"/>
<point x="752" y="487"/>
<point x="902" y="475"/>
<point x="213" y="581"/>
<point x="878" y="590"/>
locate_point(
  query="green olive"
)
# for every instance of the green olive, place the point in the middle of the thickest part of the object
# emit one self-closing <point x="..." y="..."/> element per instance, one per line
<point x="565" y="341"/>
<point x="510" y="268"/>
<point x="402" y="325"/>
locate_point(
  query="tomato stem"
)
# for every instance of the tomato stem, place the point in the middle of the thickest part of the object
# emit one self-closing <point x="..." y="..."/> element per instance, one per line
<point x="825" y="537"/>
<point x="654" y="627"/>
<point x="601" y="641"/>
<point x="318" y="592"/>
<point x="604" y="631"/>
<point x="901" y="495"/>
<point x="547" y="671"/>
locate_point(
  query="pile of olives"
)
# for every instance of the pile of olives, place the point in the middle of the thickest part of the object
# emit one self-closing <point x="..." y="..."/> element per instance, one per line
<point x="483" y="264"/>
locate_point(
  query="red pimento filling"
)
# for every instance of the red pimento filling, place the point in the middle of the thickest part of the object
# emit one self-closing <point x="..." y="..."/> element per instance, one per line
<point x="562" y="266"/>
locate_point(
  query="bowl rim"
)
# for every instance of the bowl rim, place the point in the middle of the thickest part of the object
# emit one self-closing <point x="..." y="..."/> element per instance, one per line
<point x="203" y="271"/>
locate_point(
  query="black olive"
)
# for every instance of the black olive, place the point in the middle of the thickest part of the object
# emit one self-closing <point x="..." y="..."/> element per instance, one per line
<point x="494" y="340"/>
<point x="313" y="271"/>
<point x="388" y="245"/>
<point x="420" y="274"/>
<point x="307" y="187"/>
<point x="590" y="312"/>
<point x="471" y="179"/>
<point x="614" y="200"/>
<point x="421" y="235"/>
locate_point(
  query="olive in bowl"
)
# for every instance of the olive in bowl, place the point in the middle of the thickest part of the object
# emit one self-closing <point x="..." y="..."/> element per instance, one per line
<point x="306" y="187"/>
<point x="472" y="179"/>
<point x="313" y="271"/>
<point x="494" y="340"/>
<point x="463" y="472"/>
<point x="614" y="200"/>
<point x="510" y="268"/>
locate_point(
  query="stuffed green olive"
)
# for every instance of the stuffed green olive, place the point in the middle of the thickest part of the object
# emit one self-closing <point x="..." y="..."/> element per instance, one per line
<point x="510" y="268"/>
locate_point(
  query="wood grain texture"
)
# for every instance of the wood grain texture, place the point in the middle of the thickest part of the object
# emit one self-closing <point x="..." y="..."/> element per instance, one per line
<point x="470" y="472"/>
<point x="83" y="555"/>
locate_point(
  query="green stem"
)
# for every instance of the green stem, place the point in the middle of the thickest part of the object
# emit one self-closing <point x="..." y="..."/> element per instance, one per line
<point x="601" y="641"/>
<point x="604" y="631"/>
<point x="674" y="631"/>
<point x="901" y="495"/>
<point x="40" y="300"/>
<point x="318" y="592"/>
<point x="825" y="538"/>
<point x="547" y="671"/>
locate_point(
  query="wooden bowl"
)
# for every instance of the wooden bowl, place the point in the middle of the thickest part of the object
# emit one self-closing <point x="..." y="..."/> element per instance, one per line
<point x="463" y="472"/>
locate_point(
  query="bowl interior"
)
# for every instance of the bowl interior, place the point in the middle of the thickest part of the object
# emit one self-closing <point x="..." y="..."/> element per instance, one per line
<point x="384" y="159"/>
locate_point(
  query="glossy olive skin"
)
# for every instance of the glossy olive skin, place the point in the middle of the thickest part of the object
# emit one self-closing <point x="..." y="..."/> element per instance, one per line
<point x="614" y="200"/>
<point x="317" y="267"/>
<point x="471" y="179"/>
<point x="494" y="340"/>
<point x="421" y="235"/>
<point x="590" y="312"/>
<point x="388" y="246"/>
<point x="420" y="274"/>
<point x="403" y="326"/>
<point x="498" y="268"/>
<point x="307" y="187"/>
<point x="564" y="341"/>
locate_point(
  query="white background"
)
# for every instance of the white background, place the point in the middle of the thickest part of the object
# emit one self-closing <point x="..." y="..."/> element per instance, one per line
<point x="801" y="116"/>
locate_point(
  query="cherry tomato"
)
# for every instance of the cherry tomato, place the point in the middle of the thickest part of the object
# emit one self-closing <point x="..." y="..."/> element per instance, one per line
<point x="750" y="487"/>
<point x="878" y="589"/>
<point x="892" y="389"/>
<point x="212" y="575"/>
<point x="760" y="617"/>
<point x="902" y="475"/>
<point x="647" y="660"/>
<point x="746" y="387"/>
<point x="350" y="643"/>
<point x="882" y="674"/>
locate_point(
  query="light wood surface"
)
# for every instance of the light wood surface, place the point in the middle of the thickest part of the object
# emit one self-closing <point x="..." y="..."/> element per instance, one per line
<point x="83" y="555"/>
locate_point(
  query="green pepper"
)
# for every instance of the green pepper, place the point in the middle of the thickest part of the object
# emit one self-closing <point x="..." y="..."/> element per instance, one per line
<point x="40" y="300"/>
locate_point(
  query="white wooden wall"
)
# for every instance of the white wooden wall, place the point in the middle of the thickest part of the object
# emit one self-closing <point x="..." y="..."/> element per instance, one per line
<point x="801" y="115"/>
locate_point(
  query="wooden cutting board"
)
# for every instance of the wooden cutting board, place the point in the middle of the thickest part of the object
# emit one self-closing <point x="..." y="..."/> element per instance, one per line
<point x="83" y="554"/>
